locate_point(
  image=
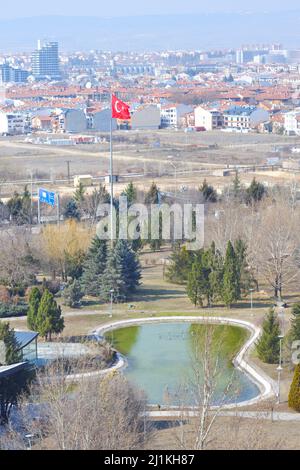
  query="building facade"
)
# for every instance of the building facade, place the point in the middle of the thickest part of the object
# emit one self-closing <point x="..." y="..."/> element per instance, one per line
<point x="45" y="62"/>
<point x="208" y="118"/>
<point x="12" y="123"/>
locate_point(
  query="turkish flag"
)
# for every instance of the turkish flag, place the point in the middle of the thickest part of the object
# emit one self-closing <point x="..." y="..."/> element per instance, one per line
<point x="119" y="109"/>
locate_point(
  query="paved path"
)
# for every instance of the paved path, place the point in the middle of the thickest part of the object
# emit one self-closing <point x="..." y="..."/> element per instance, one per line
<point x="275" y="416"/>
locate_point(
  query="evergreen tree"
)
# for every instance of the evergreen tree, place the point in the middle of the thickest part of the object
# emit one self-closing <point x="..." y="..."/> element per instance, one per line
<point x="295" y="323"/>
<point x="19" y="207"/>
<point x="198" y="283"/>
<point x="71" y="210"/>
<point x="49" y="319"/>
<point x="268" y="346"/>
<point x="231" y="279"/>
<point x="255" y="192"/>
<point x="153" y="197"/>
<point x="34" y="302"/>
<point x="12" y="349"/>
<point x="208" y="192"/>
<point x="74" y="264"/>
<point x="246" y="280"/>
<point x="79" y="194"/>
<point x="73" y="294"/>
<point x="236" y="186"/>
<point x="94" y="266"/>
<point x="215" y="263"/>
<point x="112" y="279"/>
<point x="129" y="264"/>
<point x="131" y="194"/>
<point x="294" y="394"/>
<point x="181" y="261"/>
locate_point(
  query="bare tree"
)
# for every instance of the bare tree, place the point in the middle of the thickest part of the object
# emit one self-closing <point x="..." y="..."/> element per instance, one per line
<point x="90" y="413"/>
<point x="277" y="247"/>
<point x="202" y="388"/>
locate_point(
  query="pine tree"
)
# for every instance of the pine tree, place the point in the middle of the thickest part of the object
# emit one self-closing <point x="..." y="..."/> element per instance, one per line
<point x="268" y="346"/>
<point x="12" y="352"/>
<point x="236" y="186"/>
<point x="73" y="294"/>
<point x="231" y="279"/>
<point x="34" y="302"/>
<point x="246" y="280"/>
<point x="181" y="261"/>
<point x="112" y="280"/>
<point x="94" y="266"/>
<point x="216" y="264"/>
<point x="79" y="194"/>
<point x="208" y="192"/>
<point x="153" y="197"/>
<point x="295" y="323"/>
<point x="131" y="194"/>
<point x="198" y="286"/>
<point x="49" y="319"/>
<point x="294" y="394"/>
<point x="71" y="210"/>
<point x="129" y="264"/>
<point x="255" y="192"/>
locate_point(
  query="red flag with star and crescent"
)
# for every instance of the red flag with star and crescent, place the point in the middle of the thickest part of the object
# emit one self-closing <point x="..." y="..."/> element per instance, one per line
<point x="119" y="109"/>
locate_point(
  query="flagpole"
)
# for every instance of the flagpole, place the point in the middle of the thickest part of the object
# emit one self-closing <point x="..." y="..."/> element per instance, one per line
<point x="111" y="180"/>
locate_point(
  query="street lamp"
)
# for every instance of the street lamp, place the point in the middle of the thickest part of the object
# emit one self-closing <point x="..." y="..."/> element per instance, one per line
<point x="251" y="300"/>
<point x="175" y="173"/>
<point x="281" y="336"/>
<point x="279" y="369"/>
<point x="111" y="302"/>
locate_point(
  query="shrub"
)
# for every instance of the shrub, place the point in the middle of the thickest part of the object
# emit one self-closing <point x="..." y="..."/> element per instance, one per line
<point x="12" y="310"/>
<point x="294" y="395"/>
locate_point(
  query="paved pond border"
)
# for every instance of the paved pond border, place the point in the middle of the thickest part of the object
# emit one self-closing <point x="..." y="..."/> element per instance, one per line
<point x="266" y="385"/>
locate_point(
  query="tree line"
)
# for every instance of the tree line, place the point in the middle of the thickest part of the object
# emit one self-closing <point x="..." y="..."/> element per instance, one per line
<point x="211" y="277"/>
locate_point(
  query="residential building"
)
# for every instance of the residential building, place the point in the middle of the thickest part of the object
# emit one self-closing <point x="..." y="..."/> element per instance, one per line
<point x="171" y="114"/>
<point x="100" y="121"/>
<point x="69" y="121"/>
<point x="10" y="74"/>
<point x="208" y="118"/>
<point x="292" y="122"/>
<point x="45" y="62"/>
<point x="12" y="123"/>
<point x="244" y="117"/>
<point x="146" y="117"/>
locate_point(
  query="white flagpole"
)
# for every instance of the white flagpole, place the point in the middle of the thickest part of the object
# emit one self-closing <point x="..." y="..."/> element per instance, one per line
<point x="111" y="180"/>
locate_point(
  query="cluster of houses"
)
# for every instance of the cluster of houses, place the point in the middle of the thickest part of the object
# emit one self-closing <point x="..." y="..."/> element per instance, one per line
<point x="152" y="116"/>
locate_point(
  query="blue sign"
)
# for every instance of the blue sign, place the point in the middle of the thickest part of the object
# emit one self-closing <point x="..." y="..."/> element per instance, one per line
<point x="48" y="197"/>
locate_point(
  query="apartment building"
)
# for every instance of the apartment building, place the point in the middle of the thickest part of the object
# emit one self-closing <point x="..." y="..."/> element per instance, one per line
<point x="242" y="117"/>
<point x="209" y="119"/>
<point x="69" y="121"/>
<point x="45" y="62"/>
<point x="146" y="117"/>
<point x="12" y="123"/>
<point x="292" y="122"/>
<point x="171" y="114"/>
<point x="10" y="74"/>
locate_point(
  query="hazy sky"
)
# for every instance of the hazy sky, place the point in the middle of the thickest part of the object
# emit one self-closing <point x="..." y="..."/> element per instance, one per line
<point x="21" y="8"/>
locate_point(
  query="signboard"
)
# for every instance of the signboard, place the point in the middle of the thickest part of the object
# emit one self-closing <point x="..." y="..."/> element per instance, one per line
<point x="48" y="197"/>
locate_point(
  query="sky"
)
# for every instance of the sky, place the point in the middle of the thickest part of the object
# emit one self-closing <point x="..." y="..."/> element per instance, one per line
<point x="28" y="8"/>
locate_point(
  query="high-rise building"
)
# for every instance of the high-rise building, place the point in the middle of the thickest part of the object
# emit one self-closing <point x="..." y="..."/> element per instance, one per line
<point x="45" y="61"/>
<point x="11" y="74"/>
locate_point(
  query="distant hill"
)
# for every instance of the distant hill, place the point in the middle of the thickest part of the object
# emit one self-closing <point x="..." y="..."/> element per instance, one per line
<point x="200" y="31"/>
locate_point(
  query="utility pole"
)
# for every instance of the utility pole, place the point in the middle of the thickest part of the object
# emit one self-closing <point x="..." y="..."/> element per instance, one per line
<point x="68" y="170"/>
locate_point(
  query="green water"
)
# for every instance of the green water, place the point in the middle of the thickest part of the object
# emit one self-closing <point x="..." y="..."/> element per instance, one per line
<point x="161" y="359"/>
